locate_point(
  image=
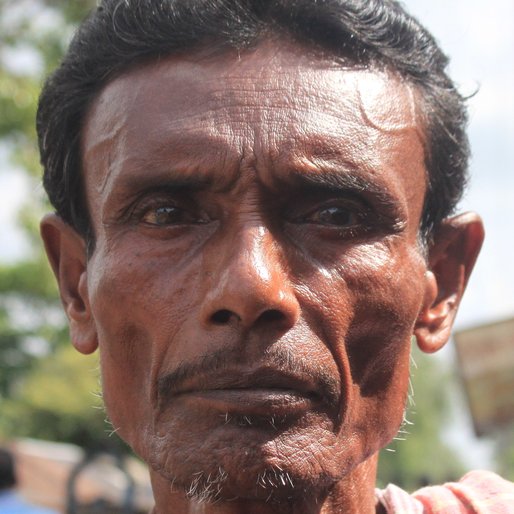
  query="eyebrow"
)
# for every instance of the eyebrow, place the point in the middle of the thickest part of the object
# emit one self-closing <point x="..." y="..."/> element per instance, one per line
<point x="340" y="179"/>
<point x="344" y="182"/>
<point x="138" y="181"/>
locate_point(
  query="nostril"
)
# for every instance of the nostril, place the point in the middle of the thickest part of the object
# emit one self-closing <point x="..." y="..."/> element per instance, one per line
<point x="224" y="316"/>
<point x="271" y="315"/>
<point x="221" y="317"/>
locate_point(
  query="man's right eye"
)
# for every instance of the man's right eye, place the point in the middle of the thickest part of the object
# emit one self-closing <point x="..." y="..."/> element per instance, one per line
<point x="167" y="215"/>
<point x="159" y="212"/>
<point x="339" y="216"/>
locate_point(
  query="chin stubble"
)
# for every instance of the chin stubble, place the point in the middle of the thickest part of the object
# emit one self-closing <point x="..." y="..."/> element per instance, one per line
<point x="208" y="488"/>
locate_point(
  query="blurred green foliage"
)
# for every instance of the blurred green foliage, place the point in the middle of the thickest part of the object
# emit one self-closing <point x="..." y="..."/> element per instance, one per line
<point x="57" y="401"/>
<point x="419" y="456"/>
<point x="45" y="386"/>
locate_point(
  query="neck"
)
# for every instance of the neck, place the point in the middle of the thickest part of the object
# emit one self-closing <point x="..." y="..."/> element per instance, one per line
<point x="353" y="494"/>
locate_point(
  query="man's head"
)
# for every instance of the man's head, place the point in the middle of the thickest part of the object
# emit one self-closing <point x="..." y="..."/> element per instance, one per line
<point x="256" y="205"/>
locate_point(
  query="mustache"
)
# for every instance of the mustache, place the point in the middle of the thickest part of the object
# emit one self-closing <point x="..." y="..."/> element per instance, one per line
<point x="230" y="366"/>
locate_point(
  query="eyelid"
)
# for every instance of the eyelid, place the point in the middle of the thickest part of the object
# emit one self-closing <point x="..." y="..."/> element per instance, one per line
<point x="372" y="218"/>
<point x="153" y="199"/>
<point x="356" y="204"/>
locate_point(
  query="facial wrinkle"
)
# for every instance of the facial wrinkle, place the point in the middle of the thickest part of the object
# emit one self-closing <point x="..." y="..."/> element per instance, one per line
<point x="110" y="120"/>
<point x="395" y="115"/>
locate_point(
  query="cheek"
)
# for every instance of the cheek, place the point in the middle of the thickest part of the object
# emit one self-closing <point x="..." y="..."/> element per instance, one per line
<point x="366" y="305"/>
<point x="124" y="342"/>
<point x="131" y="296"/>
<point x="135" y="293"/>
<point x="387" y="298"/>
<point x="370" y="302"/>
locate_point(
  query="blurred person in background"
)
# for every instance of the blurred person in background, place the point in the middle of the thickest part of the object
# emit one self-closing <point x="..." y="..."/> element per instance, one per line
<point x="10" y="501"/>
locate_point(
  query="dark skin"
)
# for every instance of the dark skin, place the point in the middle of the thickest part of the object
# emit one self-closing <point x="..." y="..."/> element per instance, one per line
<point x="258" y="276"/>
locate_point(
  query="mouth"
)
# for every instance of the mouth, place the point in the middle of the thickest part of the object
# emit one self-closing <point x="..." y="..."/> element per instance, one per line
<point x="262" y="392"/>
<point x="278" y="403"/>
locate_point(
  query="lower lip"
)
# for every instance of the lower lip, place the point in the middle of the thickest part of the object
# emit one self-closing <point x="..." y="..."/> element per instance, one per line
<point x="253" y="402"/>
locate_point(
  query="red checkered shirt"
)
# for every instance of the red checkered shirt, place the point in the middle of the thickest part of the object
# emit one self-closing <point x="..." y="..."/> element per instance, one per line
<point x="478" y="492"/>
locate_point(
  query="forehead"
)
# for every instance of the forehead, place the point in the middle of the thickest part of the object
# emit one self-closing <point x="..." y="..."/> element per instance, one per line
<point x="276" y="104"/>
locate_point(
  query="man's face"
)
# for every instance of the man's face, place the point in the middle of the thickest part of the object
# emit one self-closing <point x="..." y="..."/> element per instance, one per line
<point x="257" y="272"/>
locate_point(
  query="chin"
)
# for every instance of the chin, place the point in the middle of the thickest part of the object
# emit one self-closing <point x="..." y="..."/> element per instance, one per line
<point x="258" y="482"/>
<point x="252" y="463"/>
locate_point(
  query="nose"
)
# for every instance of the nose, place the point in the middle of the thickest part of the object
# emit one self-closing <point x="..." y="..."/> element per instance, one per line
<point x="249" y="285"/>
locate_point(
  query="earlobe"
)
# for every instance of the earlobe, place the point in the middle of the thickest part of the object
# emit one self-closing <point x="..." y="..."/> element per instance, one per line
<point x="452" y="255"/>
<point x="431" y="317"/>
<point x="67" y="255"/>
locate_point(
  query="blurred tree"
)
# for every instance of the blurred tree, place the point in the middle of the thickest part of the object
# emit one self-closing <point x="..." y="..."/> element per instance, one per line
<point x="59" y="400"/>
<point x="419" y="456"/>
<point x="43" y="385"/>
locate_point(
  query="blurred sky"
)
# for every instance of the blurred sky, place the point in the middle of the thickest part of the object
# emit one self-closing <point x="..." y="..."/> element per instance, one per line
<point x="479" y="38"/>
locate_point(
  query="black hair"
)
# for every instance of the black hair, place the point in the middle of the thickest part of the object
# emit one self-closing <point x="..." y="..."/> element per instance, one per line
<point x="120" y="33"/>
<point x="7" y="471"/>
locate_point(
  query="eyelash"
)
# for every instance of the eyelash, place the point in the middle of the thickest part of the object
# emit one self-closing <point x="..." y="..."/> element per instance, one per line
<point x="361" y="216"/>
<point x="145" y="206"/>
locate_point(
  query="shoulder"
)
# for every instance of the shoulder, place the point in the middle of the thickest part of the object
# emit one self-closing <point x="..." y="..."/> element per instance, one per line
<point x="478" y="492"/>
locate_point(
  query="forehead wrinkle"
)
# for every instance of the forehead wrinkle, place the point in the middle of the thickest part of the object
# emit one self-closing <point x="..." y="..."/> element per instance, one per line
<point x="253" y="115"/>
<point x="96" y="139"/>
<point x="211" y="105"/>
<point x="119" y="153"/>
<point x="217" y="86"/>
<point x="186" y="168"/>
<point x="396" y="115"/>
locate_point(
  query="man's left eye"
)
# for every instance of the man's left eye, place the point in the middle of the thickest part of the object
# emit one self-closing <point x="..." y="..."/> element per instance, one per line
<point x="335" y="215"/>
<point x="169" y="215"/>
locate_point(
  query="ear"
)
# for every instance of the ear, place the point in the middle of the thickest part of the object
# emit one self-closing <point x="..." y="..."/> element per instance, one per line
<point x="66" y="251"/>
<point x="451" y="258"/>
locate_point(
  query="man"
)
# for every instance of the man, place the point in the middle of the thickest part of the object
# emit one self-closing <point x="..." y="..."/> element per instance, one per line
<point x="254" y="215"/>
<point x="10" y="501"/>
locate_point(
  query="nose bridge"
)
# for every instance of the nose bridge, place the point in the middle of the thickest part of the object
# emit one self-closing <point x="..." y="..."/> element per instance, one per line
<point x="252" y="265"/>
<point x="256" y="256"/>
<point x="250" y="284"/>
